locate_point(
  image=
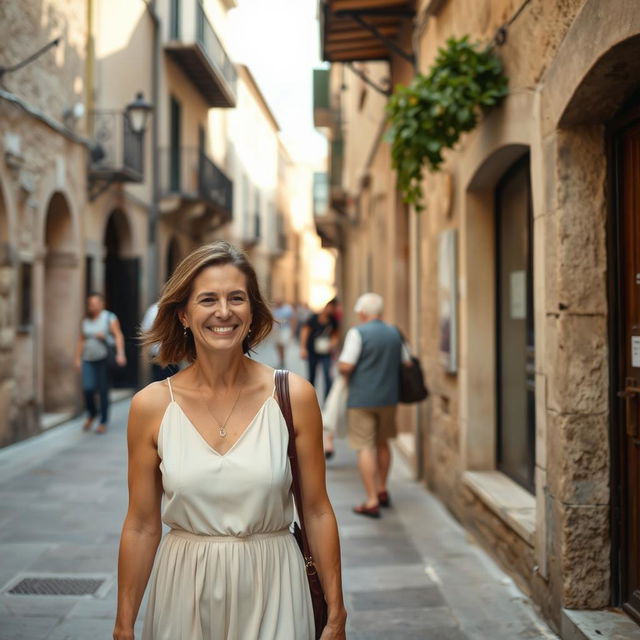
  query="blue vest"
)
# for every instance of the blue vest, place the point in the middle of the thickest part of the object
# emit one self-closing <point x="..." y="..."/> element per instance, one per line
<point x="374" y="381"/>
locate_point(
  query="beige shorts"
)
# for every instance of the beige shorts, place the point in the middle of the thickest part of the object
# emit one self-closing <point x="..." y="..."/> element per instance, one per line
<point x="370" y="425"/>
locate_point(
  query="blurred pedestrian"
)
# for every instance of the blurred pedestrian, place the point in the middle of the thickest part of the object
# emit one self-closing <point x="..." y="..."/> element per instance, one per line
<point x="338" y="312"/>
<point x="303" y="313"/>
<point x="100" y="341"/>
<point x="158" y="372"/>
<point x="371" y="359"/>
<point x="283" y="328"/>
<point x="208" y="457"/>
<point x="318" y="340"/>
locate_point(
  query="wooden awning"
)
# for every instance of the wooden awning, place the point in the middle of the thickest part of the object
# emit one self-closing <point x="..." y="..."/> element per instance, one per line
<point x="353" y="30"/>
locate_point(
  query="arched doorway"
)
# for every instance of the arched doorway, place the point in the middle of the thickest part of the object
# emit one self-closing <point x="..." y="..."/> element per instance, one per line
<point x="59" y="328"/>
<point x="122" y="291"/>
<point x="173" y="257"/>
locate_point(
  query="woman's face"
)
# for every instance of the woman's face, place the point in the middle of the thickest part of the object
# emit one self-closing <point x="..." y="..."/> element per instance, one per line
<point x="218" y="312"/>
<point x="95" y="305"/>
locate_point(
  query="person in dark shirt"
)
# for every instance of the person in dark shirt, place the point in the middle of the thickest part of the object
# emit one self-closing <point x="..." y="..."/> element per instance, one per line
<point x="318" y="341"/>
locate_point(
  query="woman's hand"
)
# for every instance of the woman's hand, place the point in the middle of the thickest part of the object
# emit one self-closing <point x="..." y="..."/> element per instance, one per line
<point x="121" y="360"/>
<point x="335" y="629"/>
<point x="120" y="633"/>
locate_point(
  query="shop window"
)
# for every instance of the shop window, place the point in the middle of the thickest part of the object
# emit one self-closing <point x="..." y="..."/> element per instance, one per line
<point x="515" y="328"/>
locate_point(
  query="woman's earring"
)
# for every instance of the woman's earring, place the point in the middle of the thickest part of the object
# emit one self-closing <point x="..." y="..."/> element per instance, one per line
<point x="184" y="332"/>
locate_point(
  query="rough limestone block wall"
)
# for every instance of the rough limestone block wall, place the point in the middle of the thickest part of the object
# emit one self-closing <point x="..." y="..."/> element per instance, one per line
<point x="7" y="332"/>
<point x="577" y="385"/>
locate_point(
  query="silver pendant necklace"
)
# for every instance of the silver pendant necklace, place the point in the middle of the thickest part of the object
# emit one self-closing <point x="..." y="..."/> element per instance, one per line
<point x="222" y="429"/>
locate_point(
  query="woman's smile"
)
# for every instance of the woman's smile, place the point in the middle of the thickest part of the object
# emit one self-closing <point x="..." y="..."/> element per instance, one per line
<point x="224" y="330"/>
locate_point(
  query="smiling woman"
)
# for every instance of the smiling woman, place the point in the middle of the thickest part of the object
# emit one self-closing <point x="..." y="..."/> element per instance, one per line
<point x="176" y="336"/>
<point x="209" y="456"/>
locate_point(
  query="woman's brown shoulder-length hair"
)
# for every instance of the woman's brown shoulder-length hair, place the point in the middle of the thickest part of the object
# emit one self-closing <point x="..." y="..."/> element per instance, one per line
<point x="167" y="330"/>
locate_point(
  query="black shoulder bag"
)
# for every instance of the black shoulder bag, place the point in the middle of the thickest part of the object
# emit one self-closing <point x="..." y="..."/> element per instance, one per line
<point x="412" y="385"/>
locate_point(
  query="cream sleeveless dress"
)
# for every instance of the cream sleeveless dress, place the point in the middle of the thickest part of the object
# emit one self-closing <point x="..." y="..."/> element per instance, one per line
<point x="229" y="569"/>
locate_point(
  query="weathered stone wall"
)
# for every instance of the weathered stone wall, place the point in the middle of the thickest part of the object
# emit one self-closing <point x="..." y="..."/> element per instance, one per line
<point x="55" y="81"/>
<point x="569" y="563"/>
<point x="37" y="161"/>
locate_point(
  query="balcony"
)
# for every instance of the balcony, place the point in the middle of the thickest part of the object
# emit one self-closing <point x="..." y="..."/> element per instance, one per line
<point x="192" y="43"/>
<point x="322" y="113"/>
<point x="328" y="220"/>
<point x="359" y="30"/>
<point x="189" y="177"/>
<point x="118" y="152"/>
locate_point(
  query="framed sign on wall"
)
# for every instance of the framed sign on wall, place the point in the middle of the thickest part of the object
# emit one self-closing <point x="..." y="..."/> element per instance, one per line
<point x="448" y="299"/>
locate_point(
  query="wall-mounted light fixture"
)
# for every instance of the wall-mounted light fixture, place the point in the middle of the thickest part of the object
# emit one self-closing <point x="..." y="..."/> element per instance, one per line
<point x="138" y="113"/>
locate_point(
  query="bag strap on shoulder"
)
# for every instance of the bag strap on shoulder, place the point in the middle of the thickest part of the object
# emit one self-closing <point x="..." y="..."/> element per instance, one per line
<point x="284" y="400"/>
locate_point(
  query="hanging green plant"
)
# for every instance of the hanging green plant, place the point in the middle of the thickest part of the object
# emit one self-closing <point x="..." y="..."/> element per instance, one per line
<point x="431" y="113"/>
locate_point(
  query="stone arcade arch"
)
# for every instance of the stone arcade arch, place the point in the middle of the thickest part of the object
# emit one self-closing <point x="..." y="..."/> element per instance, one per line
<point x="59" y="331"/>
<point x="7" y="292"/>
<point x="122" y="290"/>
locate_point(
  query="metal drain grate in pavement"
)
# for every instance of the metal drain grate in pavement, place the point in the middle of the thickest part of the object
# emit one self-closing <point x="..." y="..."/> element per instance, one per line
<point x="56" y="587"/>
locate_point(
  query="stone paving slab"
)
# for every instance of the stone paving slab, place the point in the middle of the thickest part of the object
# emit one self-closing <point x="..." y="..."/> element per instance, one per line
<point x="414" y="573"/>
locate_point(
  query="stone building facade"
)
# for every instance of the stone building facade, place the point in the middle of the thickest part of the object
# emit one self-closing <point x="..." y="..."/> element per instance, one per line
<point x="530" y="432"/>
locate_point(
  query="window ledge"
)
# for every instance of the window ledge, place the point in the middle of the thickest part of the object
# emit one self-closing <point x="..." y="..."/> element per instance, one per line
<point x="508" y="500"/>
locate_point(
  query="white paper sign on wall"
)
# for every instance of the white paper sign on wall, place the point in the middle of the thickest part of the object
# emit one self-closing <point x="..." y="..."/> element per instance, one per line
<point x="635" y="351"/>
<point x="518" y="295"/>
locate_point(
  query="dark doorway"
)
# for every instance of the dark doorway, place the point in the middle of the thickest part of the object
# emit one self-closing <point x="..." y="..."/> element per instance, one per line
<point x="175" y="150"/>
<point x="626" y="382"/>
<point x="515" y="328"/>
<point x="122" y="293"/>
<point x="173" y="257"/>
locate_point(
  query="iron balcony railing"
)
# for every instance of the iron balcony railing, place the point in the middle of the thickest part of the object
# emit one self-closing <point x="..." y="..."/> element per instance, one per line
<point x="194" y="45"/>
<point x="212" y="47"/>
<point x="190" y="173"/>
<point x="118" y="151"/>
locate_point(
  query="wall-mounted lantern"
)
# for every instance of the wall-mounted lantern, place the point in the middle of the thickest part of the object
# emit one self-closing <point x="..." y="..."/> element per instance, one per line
<point x="138" y="113"/>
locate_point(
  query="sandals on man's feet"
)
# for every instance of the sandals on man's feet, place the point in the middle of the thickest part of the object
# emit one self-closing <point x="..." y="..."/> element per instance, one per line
<point x="101" y="428"/>
<point x="370" y="512"/>
<point x="384" y="499"/>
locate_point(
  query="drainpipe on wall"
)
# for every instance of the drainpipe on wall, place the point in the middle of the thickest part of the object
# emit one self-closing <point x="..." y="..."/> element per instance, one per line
<point x="154" y="209"/>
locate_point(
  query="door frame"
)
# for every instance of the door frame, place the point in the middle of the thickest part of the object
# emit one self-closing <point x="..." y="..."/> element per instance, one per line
<point x="627" y="116"/>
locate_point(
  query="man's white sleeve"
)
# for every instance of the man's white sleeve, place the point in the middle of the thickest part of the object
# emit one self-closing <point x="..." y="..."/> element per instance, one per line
<point x="406" y="354"/>
<point x="352" y="347"/>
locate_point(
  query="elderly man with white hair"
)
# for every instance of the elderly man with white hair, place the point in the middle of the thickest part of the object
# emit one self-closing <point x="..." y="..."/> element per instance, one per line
<point x="371" y="358"/>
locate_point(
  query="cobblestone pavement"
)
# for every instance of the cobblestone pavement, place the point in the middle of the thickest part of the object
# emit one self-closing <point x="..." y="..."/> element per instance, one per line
<point x="413" y="574"/>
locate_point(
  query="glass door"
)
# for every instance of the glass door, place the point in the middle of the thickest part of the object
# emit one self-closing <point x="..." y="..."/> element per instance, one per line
<point x="515" y="331"/>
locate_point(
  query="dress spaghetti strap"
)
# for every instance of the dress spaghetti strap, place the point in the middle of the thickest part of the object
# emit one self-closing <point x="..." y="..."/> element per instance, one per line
<point x="170" y="389"/>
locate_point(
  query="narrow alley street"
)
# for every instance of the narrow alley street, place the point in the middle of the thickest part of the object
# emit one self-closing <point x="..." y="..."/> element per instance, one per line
<point x="413" y="574"/>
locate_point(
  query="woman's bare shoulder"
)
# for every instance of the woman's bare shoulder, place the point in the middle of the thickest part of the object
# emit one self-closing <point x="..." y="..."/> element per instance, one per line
<point x="301" y="390"/>
<point x="152" y="400"/>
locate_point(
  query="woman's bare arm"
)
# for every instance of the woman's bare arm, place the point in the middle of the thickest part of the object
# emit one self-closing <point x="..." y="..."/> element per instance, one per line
<point x="142" y="527"/>
<point x="115" y="329"/>
<point x="304" y="336"/>
<point x="320" y="520"/>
